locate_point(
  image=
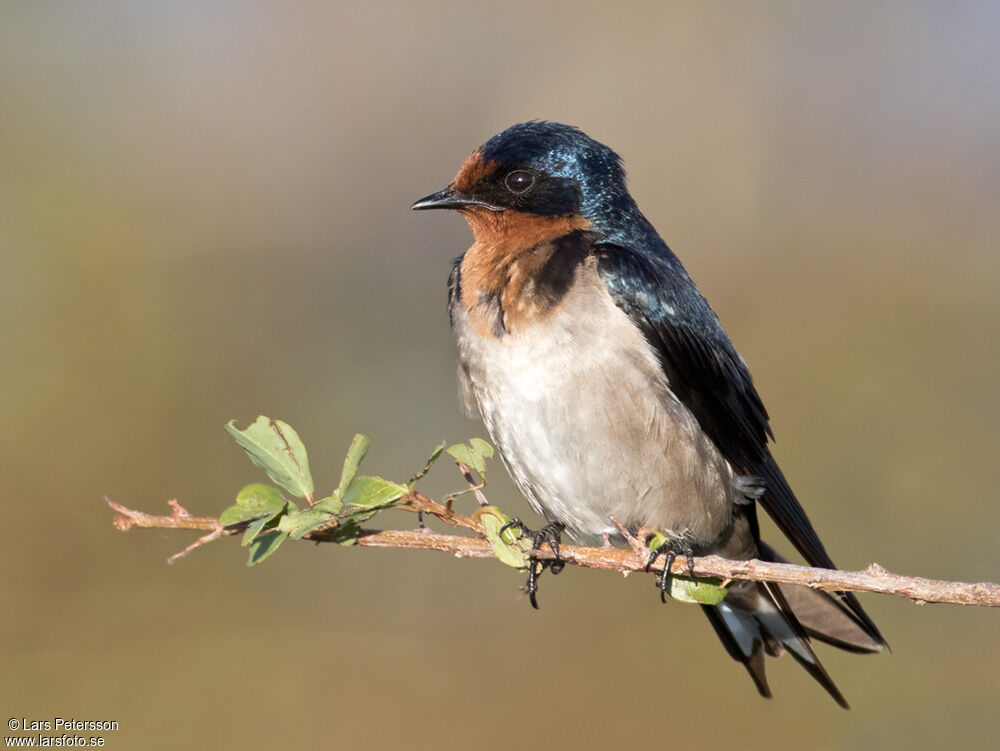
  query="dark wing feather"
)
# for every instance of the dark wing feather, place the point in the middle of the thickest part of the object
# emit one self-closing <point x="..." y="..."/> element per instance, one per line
<point x="703" y="369"/>
<point x="710" y="378"/>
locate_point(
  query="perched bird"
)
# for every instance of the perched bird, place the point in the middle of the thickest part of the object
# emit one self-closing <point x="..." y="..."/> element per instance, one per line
<point x="611" y="391"/>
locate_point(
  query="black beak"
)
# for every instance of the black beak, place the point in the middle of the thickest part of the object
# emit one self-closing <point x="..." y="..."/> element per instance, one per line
<point x="449" y="198"/>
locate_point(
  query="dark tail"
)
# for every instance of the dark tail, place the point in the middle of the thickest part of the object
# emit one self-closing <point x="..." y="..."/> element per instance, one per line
<point x="758" y="619"/>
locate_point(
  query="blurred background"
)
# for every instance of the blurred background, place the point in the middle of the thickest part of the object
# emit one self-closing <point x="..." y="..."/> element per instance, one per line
<point x="204" y="216"/>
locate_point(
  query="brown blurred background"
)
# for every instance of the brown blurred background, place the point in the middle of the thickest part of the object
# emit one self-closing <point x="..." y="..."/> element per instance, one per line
<point x="204" y="216"/>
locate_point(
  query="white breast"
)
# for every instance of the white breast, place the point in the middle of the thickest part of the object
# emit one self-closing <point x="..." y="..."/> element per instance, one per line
<point x="582" y="415"/>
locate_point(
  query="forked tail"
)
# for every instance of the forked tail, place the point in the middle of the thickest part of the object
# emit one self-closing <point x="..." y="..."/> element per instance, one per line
<point x="762" y="618"/>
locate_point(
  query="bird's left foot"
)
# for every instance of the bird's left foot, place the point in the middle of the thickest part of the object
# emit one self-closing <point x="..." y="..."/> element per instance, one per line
<point x="671" y="548"/>
<point x="551" y="533"/>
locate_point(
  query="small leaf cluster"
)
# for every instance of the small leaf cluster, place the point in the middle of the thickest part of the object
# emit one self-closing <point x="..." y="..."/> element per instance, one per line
<point x="271" y="519"/>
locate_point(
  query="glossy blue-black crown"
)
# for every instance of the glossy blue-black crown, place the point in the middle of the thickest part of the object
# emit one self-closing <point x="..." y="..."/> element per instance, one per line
<point x="562" y="151"/>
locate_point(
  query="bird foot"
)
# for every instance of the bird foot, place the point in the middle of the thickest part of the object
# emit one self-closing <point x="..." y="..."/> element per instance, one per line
<point x="551" y="533"/>
<point x="671" y="548"/>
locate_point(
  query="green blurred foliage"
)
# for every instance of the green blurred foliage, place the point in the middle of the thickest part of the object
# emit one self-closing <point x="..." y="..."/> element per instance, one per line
<point x="203" y="214"/>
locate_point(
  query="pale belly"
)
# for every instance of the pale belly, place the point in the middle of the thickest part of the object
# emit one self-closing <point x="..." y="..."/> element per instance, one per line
<point x="583" y="418"/>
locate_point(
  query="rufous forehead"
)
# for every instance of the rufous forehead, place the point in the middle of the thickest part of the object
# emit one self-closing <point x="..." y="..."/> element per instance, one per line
<point x="474" y="170"/>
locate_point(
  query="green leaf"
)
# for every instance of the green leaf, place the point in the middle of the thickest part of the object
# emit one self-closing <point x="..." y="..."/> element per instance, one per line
<point x="658" y="540"/>
<point x="481" y="447"/>
<point x="701" y="591"/>
<point x="256" y="528"/>
<point x="437" y="452"/>
<point x="355" y="455"/>
<point x="252" y="502"/>
<point x="275" y="447"/>
<point x="347" y="533"/>
<point x="256" y="501"/>
<point x="302" y="523"/>
<point x="472" y="455"/>
<point x="265" y="545"/>
<point x="329" y="504"/>
<point x="235" y="515"/>
<point x="356" y="515"/>
<point x="427" y="466"/>
<point x="509" y="548"/>
<point x="373" y="493"/>
<point x="688" y="589"/>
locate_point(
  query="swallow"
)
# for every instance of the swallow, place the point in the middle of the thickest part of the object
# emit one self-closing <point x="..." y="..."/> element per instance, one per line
<point x="611" y="391"/>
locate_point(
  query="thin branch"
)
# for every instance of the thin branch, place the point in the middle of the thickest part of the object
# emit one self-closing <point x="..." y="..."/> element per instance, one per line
<point x="474" y="487"/>
<point x="215" y="534"/>
<point x="872" y="579"/>
<point x="180" y="518"/>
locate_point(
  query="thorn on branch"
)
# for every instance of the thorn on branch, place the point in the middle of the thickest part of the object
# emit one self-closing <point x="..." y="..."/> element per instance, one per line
<point x="179" y="510"/>
<point x="638" y="547"/>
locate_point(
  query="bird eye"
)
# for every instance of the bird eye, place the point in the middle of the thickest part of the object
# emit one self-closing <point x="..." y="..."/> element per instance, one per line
<point x="519" y="181"/>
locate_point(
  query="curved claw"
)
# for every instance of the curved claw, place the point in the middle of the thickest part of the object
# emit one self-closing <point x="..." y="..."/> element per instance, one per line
<point x="512" y="524"/>
<point x="665" y="576"/>
<point x="671" y="549"/>
<point x="550" y="534"/>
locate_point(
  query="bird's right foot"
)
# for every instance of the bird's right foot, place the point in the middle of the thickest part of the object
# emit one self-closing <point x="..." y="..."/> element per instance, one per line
<point x="671" y="548"/>
<point x="551" y="533"/>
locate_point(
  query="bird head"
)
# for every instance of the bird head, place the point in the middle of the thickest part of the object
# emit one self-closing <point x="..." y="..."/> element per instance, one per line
<point x="543" y="170"/>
